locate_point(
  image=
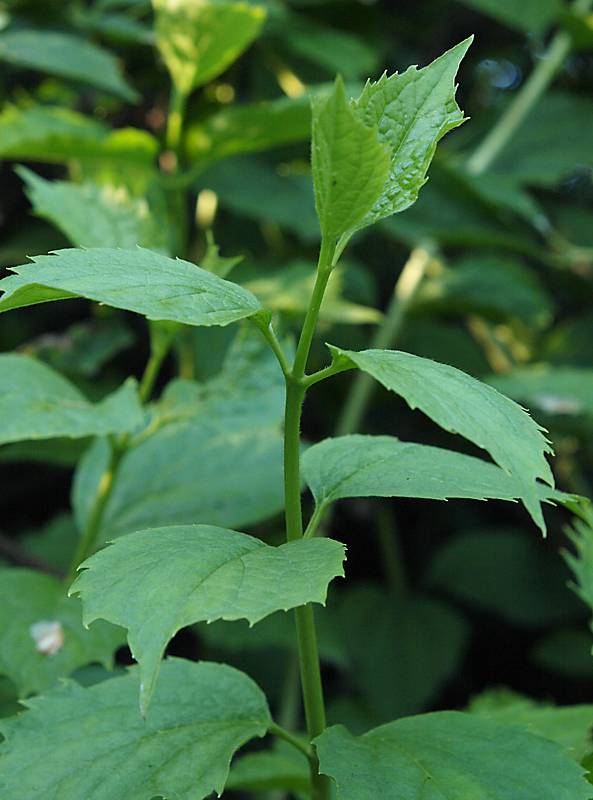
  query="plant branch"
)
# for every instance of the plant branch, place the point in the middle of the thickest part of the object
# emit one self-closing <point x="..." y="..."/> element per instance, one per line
<point x="295" y="741"/>
<point x="21" y="557"/>
<point x="270" y="336"/>
<point x="119" y="447"/>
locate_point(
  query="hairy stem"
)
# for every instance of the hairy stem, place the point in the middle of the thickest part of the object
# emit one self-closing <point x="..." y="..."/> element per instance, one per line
<point x="175" y="119"/>
<point x="526" y="98"/>
<point x="310" y="672"/>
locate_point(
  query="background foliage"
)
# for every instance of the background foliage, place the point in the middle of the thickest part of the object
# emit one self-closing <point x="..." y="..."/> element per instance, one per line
<point x="499" y="283"/>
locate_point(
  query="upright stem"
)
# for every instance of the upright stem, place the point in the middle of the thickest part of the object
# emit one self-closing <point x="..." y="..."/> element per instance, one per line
<point x="526" y="98"/>
<point x="305" y="622"/>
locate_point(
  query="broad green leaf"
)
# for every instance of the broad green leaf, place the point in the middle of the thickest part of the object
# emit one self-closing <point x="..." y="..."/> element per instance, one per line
<point x="269" y="770"/>
<point x="336" y="51"/>
<point x="276" y="632"/>
<point x="85" y="347"/>
<point x="350" y="164"/>
<point x="199" y="39"/>
<point x="529" y="16"/>
<point x="461" y="404"/>
<point x="55" y="134"/>
<point x="177" y="576"/>
<point x="212" y="453"/>
<point x="449" y="755"/>
<point x="255" y="189"/>
<point x="569" y="726"/>
<point x="66" y="56"/>
<point x="201" y="714"/>
<point x="565" y="652"/>
<point x="479" y="284"/>
<point x="52" y="543"/>
<point x="402" y="649"/>
<point x="383" y="466"/>
<point x="537" y="154"/>
<point x="288" y="290"/>
<point x="118" y="220"/>
<point x="504" y="572"/>
<point x="38" y="403"/>
<point x="29" y="599"/>
<point x="554" y="391"/>
<point x="139" y="280"/>
<point x="447" y="212"/>
<point x="239" y="129"/>
<point x="412" y="112"/>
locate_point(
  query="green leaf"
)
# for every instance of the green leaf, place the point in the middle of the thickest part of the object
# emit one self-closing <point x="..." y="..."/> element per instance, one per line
<point x="177" y="576"/>
<point x="333" y="49"/>
<point x="84" y="348"/>
<point x="227" y="431"/>
<point x="411" y="112"/>
<point x="38" y="403"/>
<point x="536" y="154"/>
<point x="53" y="542"/>
<point x="350" y="165"/>
<point x="118" y="219"/>
<point x="529" y="16"/>
<point x="383" y="466"/>
<point x="148" y="283"/>
<point x="254" y="188"/>
<point x="54" y="134"/>
<point x="504" y="572"/>
<point x="569" y="726"/>
<point x="479" y="283"/>
<point x="251" y="128"/>
<point x="265" y="771"/>
<point x="288" y="290"/>
<point x="565" y="652"/>
<point x="32" y="663"/>
<point x="402" y="649"/>
<point x="202" y="713"/>
<point x="450" y="755"/>
<point x="554" y="391"/>
<point x="581" y="561"/>
<point x="200" y="40"/>
<point x="66" y="56"/>
<point x="464" y="405"/>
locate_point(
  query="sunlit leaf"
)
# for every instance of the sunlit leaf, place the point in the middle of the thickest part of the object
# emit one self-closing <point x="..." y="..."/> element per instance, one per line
<point x="199" y="40"/>
<point x="67" y="56"/>
<point x="461" y="404"/>
<point x="138" y="280"/>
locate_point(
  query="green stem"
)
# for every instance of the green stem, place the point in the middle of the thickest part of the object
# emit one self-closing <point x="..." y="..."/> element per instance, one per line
<point x="87" y="540"/>
<point x="526" y="98"/>
<point x="295" y="741"/>
<point x="157" y="356"/>
<point x="310" y="671"/>
<point x="119" y="447"/>
<point x="175" y="119"/>
<point x="403" y="294"/>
